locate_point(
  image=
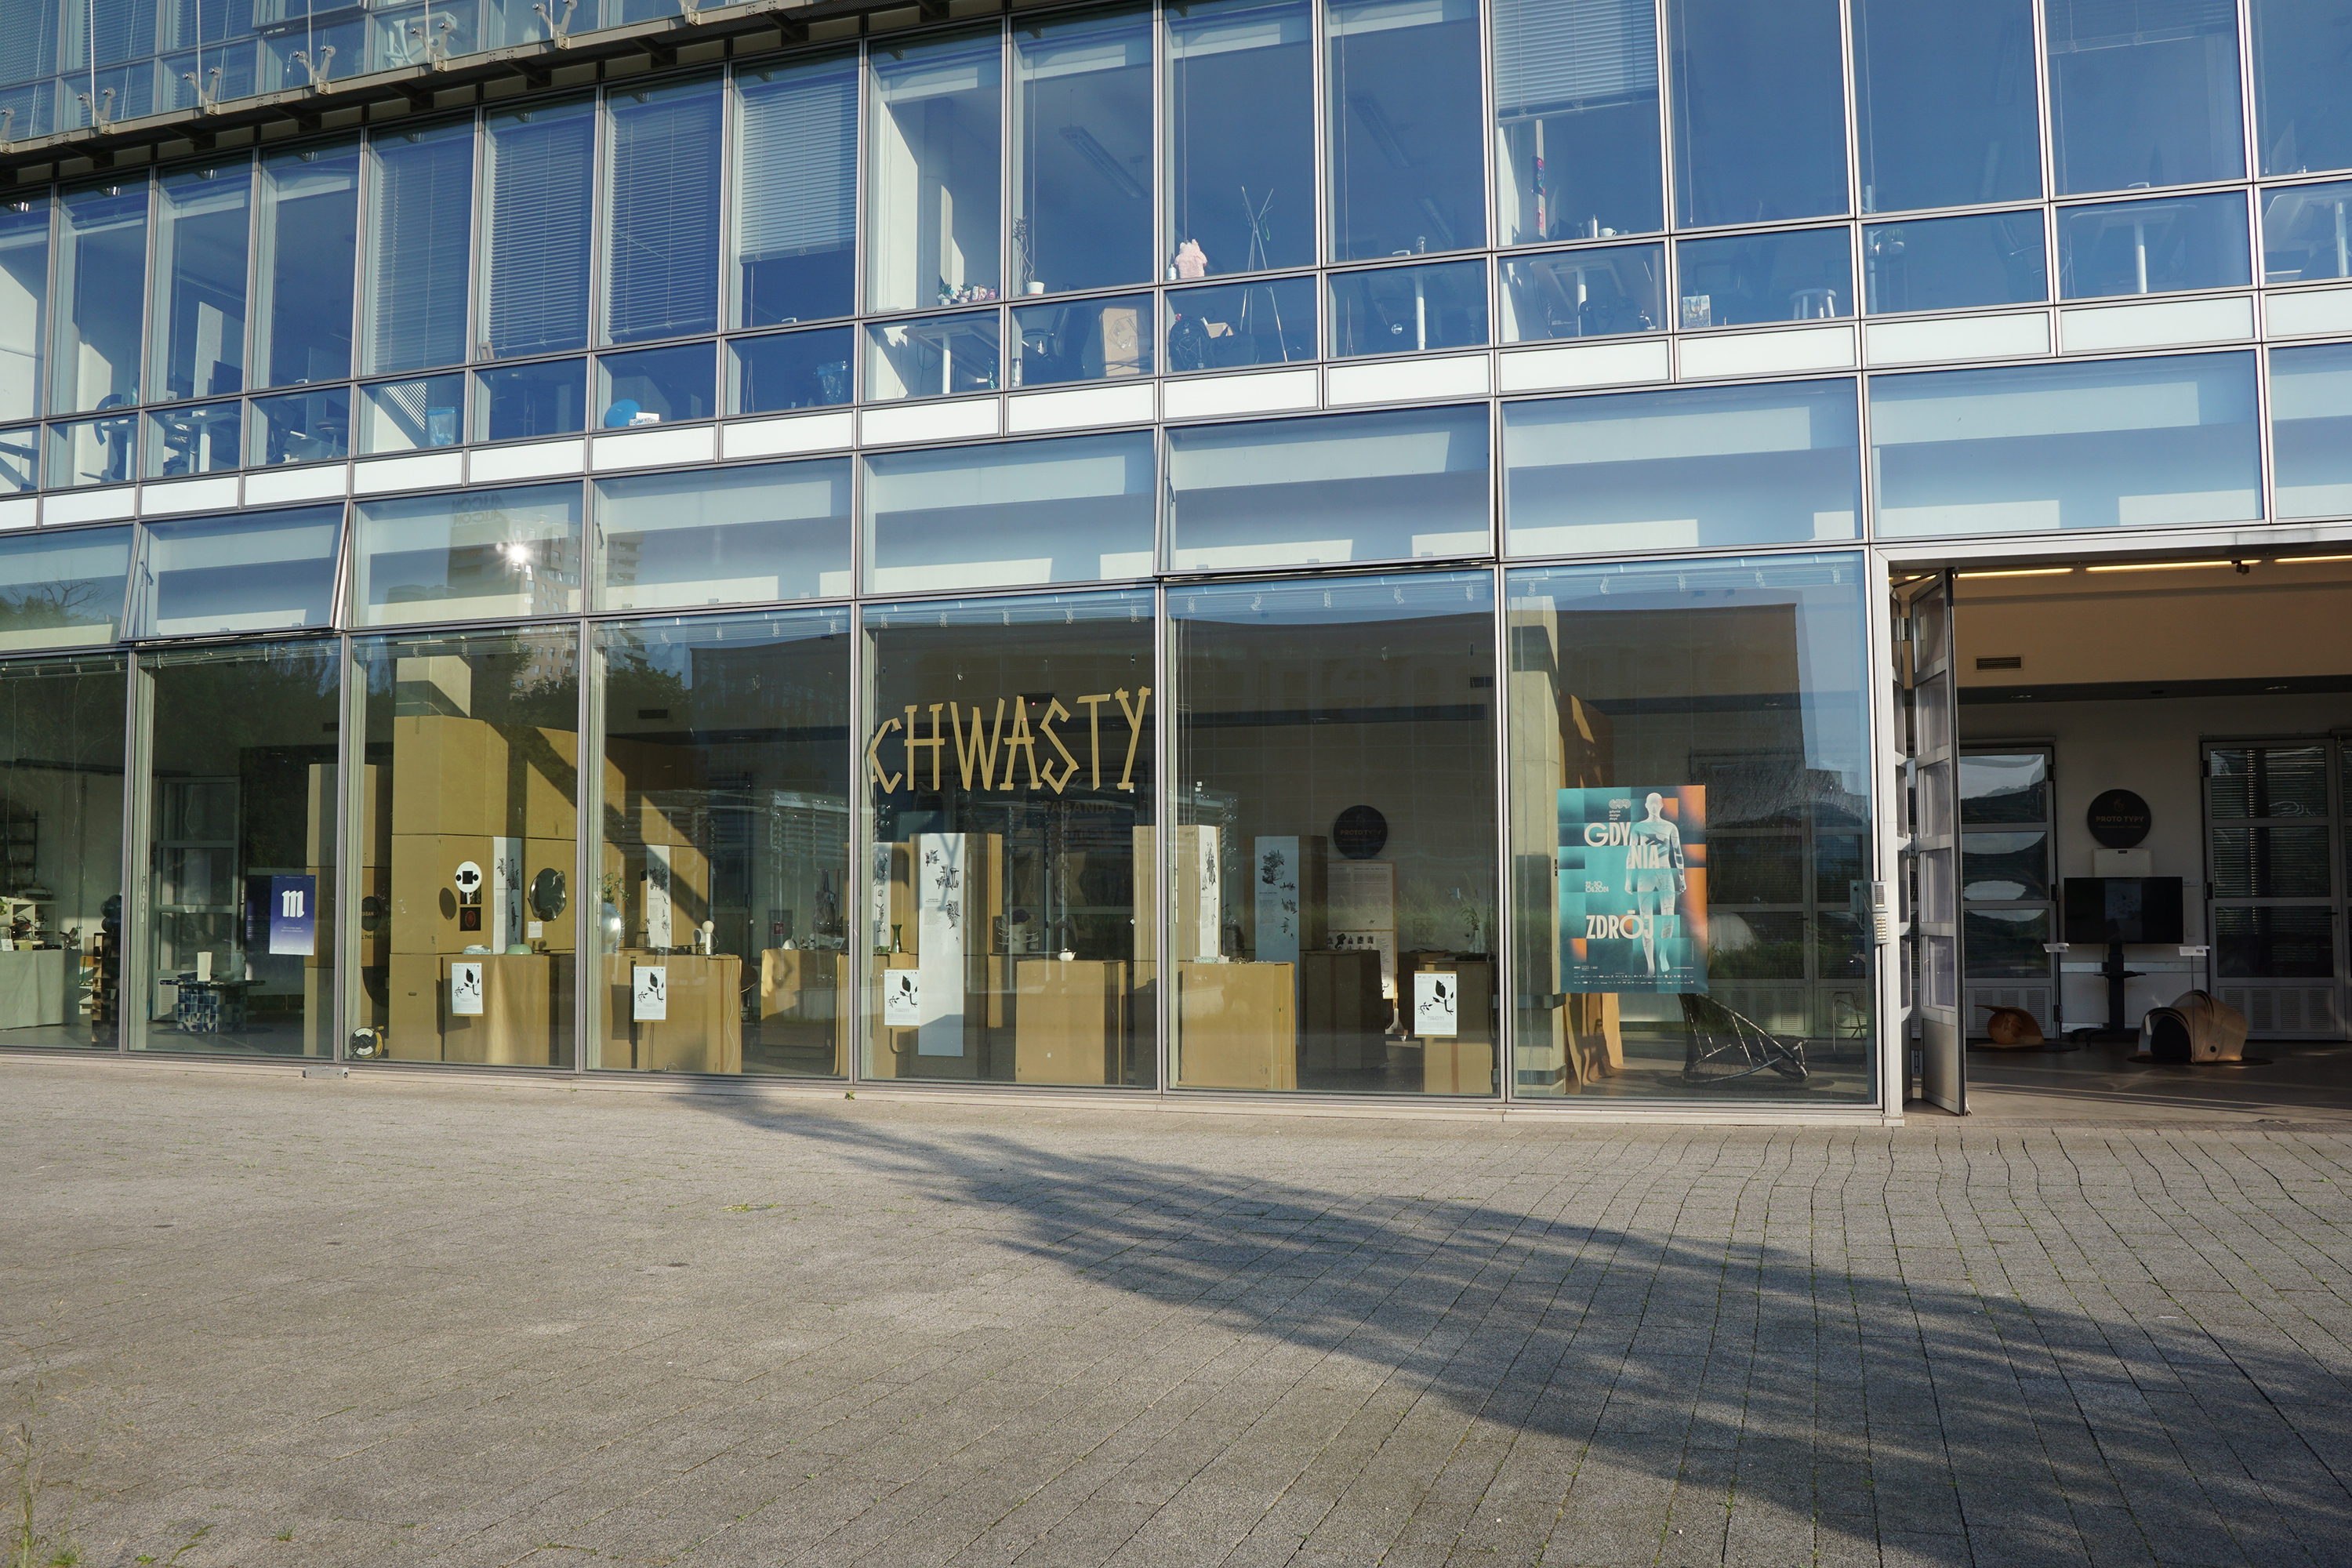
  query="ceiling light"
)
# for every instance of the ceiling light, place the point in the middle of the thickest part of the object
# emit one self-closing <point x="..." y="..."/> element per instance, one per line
<point x="2159" y="565"/>
<point x="2303" y="560"/>
<point x="2023" y="572"/>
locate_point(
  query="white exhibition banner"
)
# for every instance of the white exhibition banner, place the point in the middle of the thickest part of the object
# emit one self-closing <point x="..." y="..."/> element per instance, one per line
<point x="649" y="993"/>
<point x="464" y="989"/>
<point x="1280" y="912"/>
<point x="1207" y="846"/>
<point x="505" y="894"/>
<point x="658" y="921"/>
<point x="1436" y="998"/>
<point x="941" y="919"/>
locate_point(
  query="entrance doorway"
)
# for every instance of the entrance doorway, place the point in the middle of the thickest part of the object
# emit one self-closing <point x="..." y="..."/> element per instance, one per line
<point x="2212" y="697"/>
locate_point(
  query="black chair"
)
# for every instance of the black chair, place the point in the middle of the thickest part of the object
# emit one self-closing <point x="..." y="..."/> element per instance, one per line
<point x="1722" y="1046"/>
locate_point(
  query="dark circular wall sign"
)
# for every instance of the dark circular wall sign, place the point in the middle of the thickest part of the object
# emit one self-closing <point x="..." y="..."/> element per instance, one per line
<point x="1360" y="833"/>
<point x="2118" y="819"/>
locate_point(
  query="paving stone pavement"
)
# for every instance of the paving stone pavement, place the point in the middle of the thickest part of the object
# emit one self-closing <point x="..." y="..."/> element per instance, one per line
<point x="277" y="1321"/>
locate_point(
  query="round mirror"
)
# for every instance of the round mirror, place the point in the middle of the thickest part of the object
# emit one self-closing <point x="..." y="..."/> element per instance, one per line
<point x="547" y="894"/>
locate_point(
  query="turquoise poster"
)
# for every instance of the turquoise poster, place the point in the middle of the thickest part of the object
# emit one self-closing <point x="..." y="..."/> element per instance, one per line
<point x="1633" y="888"/>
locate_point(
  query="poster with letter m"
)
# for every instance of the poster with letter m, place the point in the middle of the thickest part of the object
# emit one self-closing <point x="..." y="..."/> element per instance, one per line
<point x="1633" y="888"/>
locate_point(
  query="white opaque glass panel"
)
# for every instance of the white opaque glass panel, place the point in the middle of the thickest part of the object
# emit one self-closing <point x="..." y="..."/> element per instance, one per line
<point x="2311" y="429"/>
<point x="1067" y="510"/>
<point x="2132" y="444"/>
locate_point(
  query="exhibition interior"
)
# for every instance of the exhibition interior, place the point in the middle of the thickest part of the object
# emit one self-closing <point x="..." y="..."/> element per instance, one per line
<point x="1604" y="556"/>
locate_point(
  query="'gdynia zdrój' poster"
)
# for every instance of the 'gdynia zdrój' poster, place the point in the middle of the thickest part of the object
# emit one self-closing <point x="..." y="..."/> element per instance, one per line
<point x="1633" y="888"/>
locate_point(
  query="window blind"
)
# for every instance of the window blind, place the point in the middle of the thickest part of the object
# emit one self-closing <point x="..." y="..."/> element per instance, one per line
<point x="535" y="246"/>
<point x="1557" y="54"/>
<point x="420" y="216"/>
<point x="796" y="188"/>
<point x="663" y="260"/>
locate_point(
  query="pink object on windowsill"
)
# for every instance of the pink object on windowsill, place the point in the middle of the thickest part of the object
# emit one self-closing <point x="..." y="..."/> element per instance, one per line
<point x="1192" y="261"/>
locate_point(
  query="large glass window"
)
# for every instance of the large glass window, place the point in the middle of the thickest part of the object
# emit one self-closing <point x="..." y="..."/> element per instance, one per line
<point x="658" y="386"/>
<point x="723" y="894"/>
<point x="1408" y="310"/>
<point x="517" y="402"/>
<point x="1010" y="772"/>
<point x="198" y="339"/>
<point x="305" y="273"/>
<point x="464" y="829"/>
<point x="2311" y="429"/>
<point x="1334" y="888"/>
<point x="1082" y="152"/>
<point x="61" y="880"/>
<point x="1759" y="120"/>
<point x="2301" y="116"/>
<point x="302" y="427"/>
<point x="932" y="156"/>
<point x="1240" y="186"/>
<point x="1944" y="103"/>
<point x="1956" y="263"/>
<point x="1073" y="510"/>
<point x="2306" y="232"/>
<point x="1583" y="293"/>
<point x="791" y="370"/>
<point x="20" y="459"/>
<point x="1691" y="468"/>
<point x="1691" y="761"/>
<point x="1084" y="340"/>
<point x="101" y="451"/>
<point x="198" y="440"/>
<point x="1403" y="103"/>
<point x="2141" y="247"/>
<point x="2132" y="444"/>
<point x="1223" y="326"/>
<point x="1740" y="281"/>
<point x="1342" y="487"/>
<point x="537" y="169"/>
<point x="101" y="285"/>
<point x="661" y="230"/>
<point x="420" y="235"/>
<point x="63" y="589"/>
<point x="724" y="536"/>
<point x="410" y="416"/>
<point x="1576" y="118"/>
<point x="240" y="851"/>
<point x="250" y="572"/>
<point x="932" y="356"/>
<point x="2143" y="95"/>
<point x="475" y="555"/>
<point x="23" y="290"/>
<point x="796" y="191"/>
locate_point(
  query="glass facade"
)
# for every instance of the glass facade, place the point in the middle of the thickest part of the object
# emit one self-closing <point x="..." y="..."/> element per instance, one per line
<point x="1418" y="422"/>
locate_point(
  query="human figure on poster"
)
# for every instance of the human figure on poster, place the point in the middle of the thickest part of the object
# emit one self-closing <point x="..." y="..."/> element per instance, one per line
<point x="1654" y="874"/>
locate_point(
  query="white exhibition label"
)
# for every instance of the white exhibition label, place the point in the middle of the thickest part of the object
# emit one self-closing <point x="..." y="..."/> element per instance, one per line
<point x="902" y="998"/>
<point x="464" y="989"/>
<point x="649" y="993"/>
<point x="1435" y="993"/>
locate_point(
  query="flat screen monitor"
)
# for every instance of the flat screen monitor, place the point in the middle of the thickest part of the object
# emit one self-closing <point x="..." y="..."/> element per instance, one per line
<point x="2102" y="909"/>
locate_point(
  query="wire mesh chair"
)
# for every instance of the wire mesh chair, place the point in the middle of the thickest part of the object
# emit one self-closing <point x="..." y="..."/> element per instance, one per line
<point x="1722" y="1046"/>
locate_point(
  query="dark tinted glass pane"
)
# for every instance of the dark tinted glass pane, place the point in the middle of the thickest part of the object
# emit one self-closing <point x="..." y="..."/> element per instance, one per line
<point x="2005" y="944"/>
<point x="1403" y="94"/>
<point x="2143" y="247"/>
<point x="1837" y="863"/>
<point x="2294" y="943"/>
<point x="532" y="400"/>
<point x="1956" y="263"/>
<point x="1750" y="946"/>
<point x="2143" y="94"/>
<point x="1944" y="103"/>
<point x="1749" y="870"/>
<point x="793" y="370"/>
<point x="2266" y="862"/>
<point x="2302" y="117"/>
<point x="1223" y="326"/>
<point x="1760" y="122"/>
<point x="1240" y="186"/>
<point x="1742" y="280"/>
<point x="658" y="386"/>
<point x="1402" y="310"/>
<point x="2005" y="788"/>
<point x="2005" y="867"/>
<point x="2268" y="781"/>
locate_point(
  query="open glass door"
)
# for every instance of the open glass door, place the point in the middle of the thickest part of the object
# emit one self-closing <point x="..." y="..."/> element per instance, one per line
<point x="1923" y="644"/>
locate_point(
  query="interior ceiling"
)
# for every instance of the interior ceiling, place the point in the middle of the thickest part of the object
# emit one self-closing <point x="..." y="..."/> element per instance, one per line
<point x="2173" y="628"/>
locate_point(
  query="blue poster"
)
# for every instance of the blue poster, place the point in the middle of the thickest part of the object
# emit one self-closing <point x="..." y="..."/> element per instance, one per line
<point x="281" y="916"/>
<point x="1633" y="888"/>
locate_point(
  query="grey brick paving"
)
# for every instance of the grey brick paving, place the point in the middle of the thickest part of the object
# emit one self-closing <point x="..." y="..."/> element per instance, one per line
<point x="390" y="1320"/>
